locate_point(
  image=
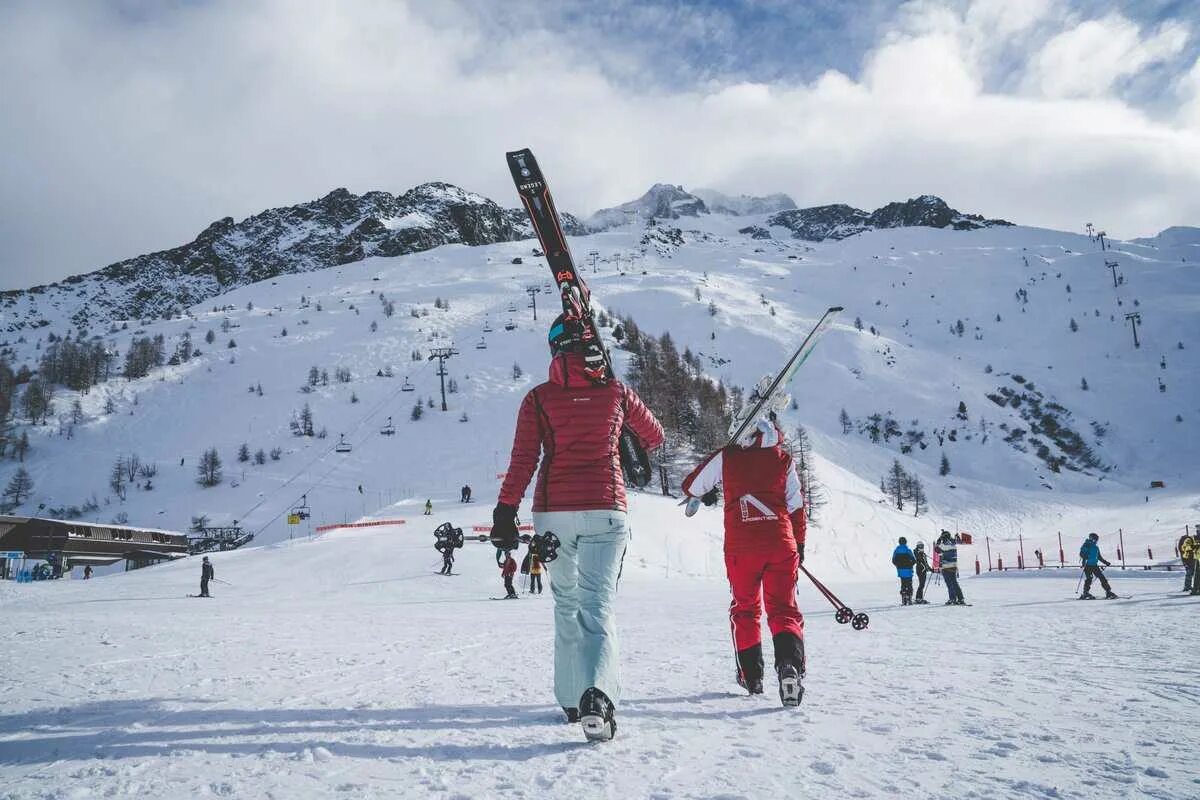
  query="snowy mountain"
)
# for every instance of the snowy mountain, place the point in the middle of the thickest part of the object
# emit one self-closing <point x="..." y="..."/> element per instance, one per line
<point x="841" y="221"/>
<point x="744" y="205"/>
<point x="340" y="228"/>
<point x="1004" y="349"/>
<point x="1175" y="236"/>
<point x="661" y="201"/>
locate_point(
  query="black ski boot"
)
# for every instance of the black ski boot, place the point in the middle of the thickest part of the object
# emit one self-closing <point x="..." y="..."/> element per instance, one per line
<point x="1111" y="595"/>
<point x="750" y="669"/>
<point x="1087" y="596"/>
<point x="791" y="691"/>
<point x="789" y="666"/>
<point x="572" y="715"/>
<point x="596" y="715"/>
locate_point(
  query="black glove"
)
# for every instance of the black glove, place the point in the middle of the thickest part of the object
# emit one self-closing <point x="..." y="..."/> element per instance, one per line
<point x="710" y="497"/>
<point x="504" y="527"/>
<point x="800" y="551"/>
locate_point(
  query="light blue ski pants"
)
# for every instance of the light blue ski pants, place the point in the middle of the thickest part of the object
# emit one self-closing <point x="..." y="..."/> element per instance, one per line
<point x="583" y="580"/>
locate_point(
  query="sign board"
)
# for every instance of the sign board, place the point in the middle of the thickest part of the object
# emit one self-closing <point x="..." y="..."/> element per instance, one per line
<point x="13" y="554"/>
<point x="293" y="519"/>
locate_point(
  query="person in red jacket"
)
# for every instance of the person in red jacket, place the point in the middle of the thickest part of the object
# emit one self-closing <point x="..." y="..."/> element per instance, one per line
<point x="507" y="571"/>
<point x="572" y="425"/>
<point x="764" y="547"/>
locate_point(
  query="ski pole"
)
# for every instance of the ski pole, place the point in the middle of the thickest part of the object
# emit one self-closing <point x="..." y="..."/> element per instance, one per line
<point x="218" y="580"/>
<point x="844" y="613"/>
<point x="1079" y="582"/>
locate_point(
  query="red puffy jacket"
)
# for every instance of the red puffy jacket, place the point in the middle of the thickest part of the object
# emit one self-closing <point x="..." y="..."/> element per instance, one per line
<point x="575" y="424"/>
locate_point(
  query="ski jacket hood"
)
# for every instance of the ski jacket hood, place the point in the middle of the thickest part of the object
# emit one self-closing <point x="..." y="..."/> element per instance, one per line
<point x="764" y="433"/>
<point x="571" y="426"/>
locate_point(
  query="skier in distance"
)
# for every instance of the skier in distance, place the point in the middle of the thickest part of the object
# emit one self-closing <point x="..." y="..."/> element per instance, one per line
<point x="903" y="560"/>
<point x="922" y="567"/>
<point x="206" y="575"/>
<point x="572" y="425"/>
<point x="1090" y="558"/>
<point x="765" y="529"/>
<point x="948" y="558"/>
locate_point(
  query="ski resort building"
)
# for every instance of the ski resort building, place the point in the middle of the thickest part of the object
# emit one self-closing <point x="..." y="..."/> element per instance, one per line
<point x="66" y="544"/>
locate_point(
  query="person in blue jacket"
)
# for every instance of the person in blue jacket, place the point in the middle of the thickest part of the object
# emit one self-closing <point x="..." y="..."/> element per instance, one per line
<point x="1090" y="558"/>
<point x="903" y="560"/>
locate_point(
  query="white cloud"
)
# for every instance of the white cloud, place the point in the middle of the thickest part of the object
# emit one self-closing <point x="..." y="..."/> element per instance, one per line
<point x="129" y="136"/>
<point x="1089" y="59"/>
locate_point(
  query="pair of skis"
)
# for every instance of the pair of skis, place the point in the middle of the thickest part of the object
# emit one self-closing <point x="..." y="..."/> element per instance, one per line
<point x="576" y="297"/>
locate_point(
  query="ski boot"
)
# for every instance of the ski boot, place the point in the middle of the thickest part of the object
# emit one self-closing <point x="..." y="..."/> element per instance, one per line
<point x="596" y="715"/>
<point x="1087" y="596"/>
<point x="572" y="715"/>
<point x="1111" y="595"/>
<point x="921" y="601"/>
<point x="791" y="691"/>
<point x="750" y="669"/>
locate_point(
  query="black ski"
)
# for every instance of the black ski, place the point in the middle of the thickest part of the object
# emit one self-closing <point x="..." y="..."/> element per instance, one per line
<point x="576" y="297"/>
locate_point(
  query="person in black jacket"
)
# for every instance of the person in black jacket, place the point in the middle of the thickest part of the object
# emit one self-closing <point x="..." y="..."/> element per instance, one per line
<point x="206" y="575"/>
<point x="923" y="571"/>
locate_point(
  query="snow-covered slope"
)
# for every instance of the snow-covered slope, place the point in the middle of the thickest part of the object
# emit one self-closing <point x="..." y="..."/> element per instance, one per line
<point x="1016" y="366"/>
<point x="344" y="666"/>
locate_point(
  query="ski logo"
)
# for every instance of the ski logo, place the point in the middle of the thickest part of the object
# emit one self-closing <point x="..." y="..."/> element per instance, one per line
<point x="755" y="510"/>
<point x="530" y="185"/>
<point x="565" y="276"/>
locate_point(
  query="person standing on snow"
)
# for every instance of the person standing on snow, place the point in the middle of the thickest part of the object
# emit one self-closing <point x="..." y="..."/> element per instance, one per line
<point x="206" y="575"/>
<point x="535" y="574"/>
<point x="1090" y="558"/>
<point x="1187" y="552"/>
<point x="948" y="557"/>
<point x="765" y="529"/>
<point x="507" y="571"/>
<point x="572" y="424"/>
<point x="922" y="567"/>
<point x="447" y="560"/>
<point x="428" y="507"/>
<point x="87" y="572"/>
<point x="903" y="560"/>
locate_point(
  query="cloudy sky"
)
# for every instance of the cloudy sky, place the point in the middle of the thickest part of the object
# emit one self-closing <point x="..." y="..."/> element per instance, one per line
<point x="128" y="125"/>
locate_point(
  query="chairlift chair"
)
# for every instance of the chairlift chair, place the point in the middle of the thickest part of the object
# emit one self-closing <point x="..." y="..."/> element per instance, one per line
<point x="407" y="387"/>
<point x="510" y="326"/>
<point x="388" y="428"/>
<point x="487" y="327"/>
<point x="301" y="509"/>
<point x="481" y="344"/>
<point x="512" y="308"/>
<point x="343" y="446"/>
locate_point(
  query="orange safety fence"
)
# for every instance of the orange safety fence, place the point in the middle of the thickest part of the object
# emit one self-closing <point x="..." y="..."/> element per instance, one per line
<point x="377" y="523"/>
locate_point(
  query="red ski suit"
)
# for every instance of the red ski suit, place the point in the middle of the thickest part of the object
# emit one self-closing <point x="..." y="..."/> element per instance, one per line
<point x="573" y="425"/>
<point x="764" y="521"/>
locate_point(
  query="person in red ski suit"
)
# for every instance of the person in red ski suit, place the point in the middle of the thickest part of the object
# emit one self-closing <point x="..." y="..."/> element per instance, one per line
<point x="765" y="528"/>
<point x="572" y="424"/>
<point x="507" y="571"/>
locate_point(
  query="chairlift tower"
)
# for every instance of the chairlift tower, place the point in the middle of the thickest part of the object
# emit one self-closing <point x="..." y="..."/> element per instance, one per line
<point x="533" y="292"/>
<point x="1112" y="265"/>
<point x="441" y="354"/>
<point x="1135" y="319"/>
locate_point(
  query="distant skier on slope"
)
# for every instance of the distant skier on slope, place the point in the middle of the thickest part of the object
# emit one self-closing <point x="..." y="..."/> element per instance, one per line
<point x="1090" y="558"/>
<point x="903" y="560"/>
<point x="447" y="560"/>
<point x="922" y="568"/>
<point x="573" y="424"/>
<point x="535" y="574"/>
<point x="948" y="558"/>
<point x="428" y="507"/>
<point x="206" y="574"/>
<point x="765" y="529"/>
<point x="1187" y="552"/>
<point x="507" y="570"/>
<point x="465" y="495"/>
